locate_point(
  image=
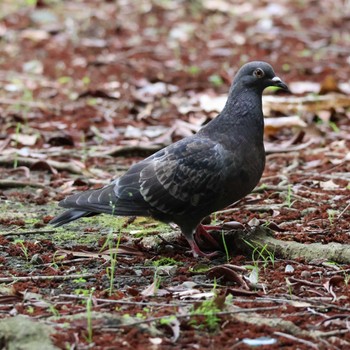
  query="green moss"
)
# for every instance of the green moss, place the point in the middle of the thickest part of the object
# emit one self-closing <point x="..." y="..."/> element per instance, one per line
<point x="165" y="262"/>
<point x="141" y="226"/>
<point x="86" y="231"/>
<point x="74" y="236"/>
<point x="32" y="221"/>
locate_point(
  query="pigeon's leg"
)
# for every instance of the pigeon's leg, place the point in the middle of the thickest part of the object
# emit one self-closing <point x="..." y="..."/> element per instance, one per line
<point x="231" y="225"/>
<point x="202" y="234"/>
<point x="212" y="227"/>
<point x="198" y="252"/>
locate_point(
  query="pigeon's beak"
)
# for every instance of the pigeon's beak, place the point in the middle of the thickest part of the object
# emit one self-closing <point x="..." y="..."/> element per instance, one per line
<point x="276" y="81"/>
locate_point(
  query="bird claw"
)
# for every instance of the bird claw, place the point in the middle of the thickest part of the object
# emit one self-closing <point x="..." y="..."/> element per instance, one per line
<point x="196" y="251"/>
<point x="214" y="254"/>
<point x="202" y="235"/>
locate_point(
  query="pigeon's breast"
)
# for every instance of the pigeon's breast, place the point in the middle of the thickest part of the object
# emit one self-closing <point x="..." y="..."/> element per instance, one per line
<point x="243" y="174"/>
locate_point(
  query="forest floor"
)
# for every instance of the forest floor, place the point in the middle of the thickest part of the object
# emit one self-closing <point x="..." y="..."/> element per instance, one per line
<point x="88" y="88"/>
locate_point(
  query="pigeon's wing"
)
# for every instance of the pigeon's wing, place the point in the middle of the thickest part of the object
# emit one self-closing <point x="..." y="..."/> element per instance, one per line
<point x="104" y="200"/>
<point x="180" y="178"/>
<point x="183" y="178"/>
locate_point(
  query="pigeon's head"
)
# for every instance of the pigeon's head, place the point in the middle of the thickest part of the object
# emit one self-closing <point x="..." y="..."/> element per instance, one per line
<point x="258" y="75"/>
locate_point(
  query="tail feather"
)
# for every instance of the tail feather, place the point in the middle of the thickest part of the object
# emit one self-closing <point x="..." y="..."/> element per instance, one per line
<point x="70" y="215"/>
<point x="103" y="200"/>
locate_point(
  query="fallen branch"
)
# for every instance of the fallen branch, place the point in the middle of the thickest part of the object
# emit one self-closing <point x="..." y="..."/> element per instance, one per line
<point x="261" y="236"/>
<point x="121" y="301"/>
<point x="18" y="233"/>
<point x="298" y="340"/>
<point x="288" y="328"/>
<point x="14" y="184"/>
<point x="189" y="315"/>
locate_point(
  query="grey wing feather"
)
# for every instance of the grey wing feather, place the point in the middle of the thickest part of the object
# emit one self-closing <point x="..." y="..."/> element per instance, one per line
<point x="104" y="200"/>
<point x="184" y="176"/>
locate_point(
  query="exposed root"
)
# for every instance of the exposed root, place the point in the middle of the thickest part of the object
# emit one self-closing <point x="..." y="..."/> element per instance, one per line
<point x="261" y="236"/>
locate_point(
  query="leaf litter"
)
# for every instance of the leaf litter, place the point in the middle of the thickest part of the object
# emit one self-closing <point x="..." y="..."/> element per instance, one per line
<point x="85" y="94"/>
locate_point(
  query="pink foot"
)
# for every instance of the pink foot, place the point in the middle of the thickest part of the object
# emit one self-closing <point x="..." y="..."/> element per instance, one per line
<point x="201" y="235"/>
<point x="211" y="227"/>
<point x="198" y="252"/>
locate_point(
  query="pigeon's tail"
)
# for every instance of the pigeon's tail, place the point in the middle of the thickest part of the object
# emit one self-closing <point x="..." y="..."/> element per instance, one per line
<point x="70" y="215"/>
<point x="102" y="200"/>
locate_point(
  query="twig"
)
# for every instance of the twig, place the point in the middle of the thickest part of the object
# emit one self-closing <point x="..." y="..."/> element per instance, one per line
<point x="124" y="302"/>
<point x="66" y="262"/>
<point x="44" y="278"/>
<point x="5" y="143"/>
<point x="255" y="207"/>
<point x="343" y="211"/>
<point x="333" y="333"/>
<point x="224" y="313"/>
<point x="330" y="273"/>
<point x="17" y="233"/>
<point x="14" y="184"/>
<point x="278" y="323"/>
<point x="303" y="341"/>
<point x="283" y="149"/>
<point x="334" y="176"/>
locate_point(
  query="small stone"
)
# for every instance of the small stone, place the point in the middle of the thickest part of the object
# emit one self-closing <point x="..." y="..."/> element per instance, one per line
<point x="289" y="269"/>
<point x="305" y="274"/>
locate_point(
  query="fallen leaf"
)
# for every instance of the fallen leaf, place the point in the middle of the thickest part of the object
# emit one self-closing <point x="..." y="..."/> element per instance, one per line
<point x="228" y="274"/>
<point x="302" y="87"/>
<point x="329" y="84"/>
<point x="194" y="294"/>
<point x="241" y="292"/>
<point x="24" y="139"/>
<point x="35" y="34"/>
<point x="259" y="341"/>
<point x="274" y="124"/>
<point x="328" y="185"/>
<point x="156" y="341"/>
<point x="212" y="104"/>
<point x="153" y="289"/>
<point x="174" y="325"/>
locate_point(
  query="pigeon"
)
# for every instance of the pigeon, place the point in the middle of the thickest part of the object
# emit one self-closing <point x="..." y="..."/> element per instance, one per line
<point x="197" y="175"/>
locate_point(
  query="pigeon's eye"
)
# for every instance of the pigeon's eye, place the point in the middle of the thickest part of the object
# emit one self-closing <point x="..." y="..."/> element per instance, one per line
<point x="258" y="73"/>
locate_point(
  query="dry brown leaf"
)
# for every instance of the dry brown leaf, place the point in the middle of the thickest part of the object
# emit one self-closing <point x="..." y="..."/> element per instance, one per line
<point x="328" y="185"/>
<point x="334" y="281"/>
<point x="274" y="124"/>
<point x="302" y="87"/>
<point x="25" y="139"/>
<point x="35" y="34"/>
<point x="329" y="84"/>
<point x="228" y="274"/>
<point x="153" y="289"/>
<point x="311" y="103"/>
